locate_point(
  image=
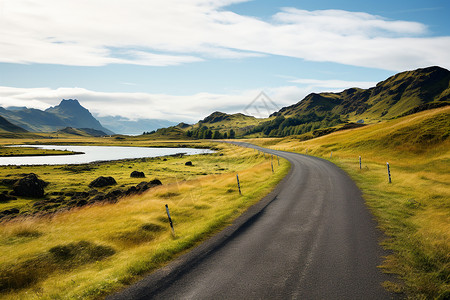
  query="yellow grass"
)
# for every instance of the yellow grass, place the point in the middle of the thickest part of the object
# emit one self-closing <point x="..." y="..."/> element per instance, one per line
<point x="135" y="228"/>
<point x="414" y="210"/>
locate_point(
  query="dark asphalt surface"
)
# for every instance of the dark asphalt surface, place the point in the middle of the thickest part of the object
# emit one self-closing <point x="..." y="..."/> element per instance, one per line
<point x="313" y="238"/>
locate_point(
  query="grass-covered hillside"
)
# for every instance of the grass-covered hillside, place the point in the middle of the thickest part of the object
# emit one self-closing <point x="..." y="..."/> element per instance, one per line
<point x="413" y="210"/>
<point x="402" y="94"/>
<point x="398" y="95"/>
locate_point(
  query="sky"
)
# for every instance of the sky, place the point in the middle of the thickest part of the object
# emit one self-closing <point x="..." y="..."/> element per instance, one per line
<point x="181" y="60"/>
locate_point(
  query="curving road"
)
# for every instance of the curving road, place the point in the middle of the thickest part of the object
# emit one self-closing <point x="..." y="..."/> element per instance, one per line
<point x="312" y="238"/>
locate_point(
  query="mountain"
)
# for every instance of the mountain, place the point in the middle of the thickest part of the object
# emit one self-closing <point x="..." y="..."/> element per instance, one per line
<point x="401" y="94"/>
<point x="123" y="125"/>
<point x="81" y="131"/>
<point x="7" y="126"/>
<point x="69" y="113"/>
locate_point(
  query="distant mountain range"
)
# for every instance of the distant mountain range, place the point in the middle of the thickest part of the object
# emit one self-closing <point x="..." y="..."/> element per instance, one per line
<point x="70" y="117"/>
<point x="69" y="113"/>
<point x="126" y="126"/>
<point x="402" y="94"/>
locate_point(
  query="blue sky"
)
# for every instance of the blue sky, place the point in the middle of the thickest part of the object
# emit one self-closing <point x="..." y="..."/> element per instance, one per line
<point x="183" y="59"/>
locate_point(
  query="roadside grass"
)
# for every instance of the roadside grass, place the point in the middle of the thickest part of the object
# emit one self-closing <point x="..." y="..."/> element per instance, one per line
<point x="91" y="251"/>
<point x="414" y="210"/>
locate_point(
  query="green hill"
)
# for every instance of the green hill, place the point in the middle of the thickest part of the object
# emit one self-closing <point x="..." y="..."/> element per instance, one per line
<point x="397" y="95"/>
<point x="81" y="131"/>
<point x="318" y="114"/>
<point x="402" y="94"/>
<point x="215" y="126"/>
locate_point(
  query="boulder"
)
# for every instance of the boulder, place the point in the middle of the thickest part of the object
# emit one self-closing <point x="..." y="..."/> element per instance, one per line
<point x="12" y="211"/>
<point x="82" y="202"/>
<point x="5" y="198"/>
<point x="155" y="182"/>
<point x="131" y="190"/>
<point x="98" y="197"/>
<point x="143" y="186"/>
<point x="102" y="182"/>
<point x="188" y="163"/>
<point x="29" y="186"/>
<point x="137" y="174"/>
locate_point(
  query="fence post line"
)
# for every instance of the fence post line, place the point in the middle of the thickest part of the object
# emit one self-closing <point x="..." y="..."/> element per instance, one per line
<point x="271" y="165"/>
<point x="170" y="220"/>
<point x="360" y="162"/>
<point x="389" y="172"/>
<point x="278" y="158"/>
<point x="239" y="185"/>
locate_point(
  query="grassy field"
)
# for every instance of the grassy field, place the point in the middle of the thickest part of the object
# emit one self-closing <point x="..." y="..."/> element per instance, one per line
<point x="30" y="151"/>
<point x="94" y="250"/>
<point x="414" y="210"/>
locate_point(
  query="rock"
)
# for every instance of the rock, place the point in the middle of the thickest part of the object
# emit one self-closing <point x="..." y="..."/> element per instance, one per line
<point x="5" y="198"/>
<point x="39" y="203"/>
<point x="155" y="182"/>
<point x="137" y="174"/>
<point x="12" y="211"/>
<point x="131" y="190"/>
<point x="188" y="163"/>
<point x="29" y="186"/>
<point x="93" y="192"/>
<point x="98" y="197"/>
<point x="143" y="186"/>
<point x="82" y="203"/>
<point x="8" y="181"/>
<point x="114" y="195"/>
<point x="102" y="182"/>
<point x="80" y="195"/>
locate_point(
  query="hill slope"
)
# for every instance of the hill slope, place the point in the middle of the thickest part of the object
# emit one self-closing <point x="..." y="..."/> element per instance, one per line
<point x="82" y="131"/>
<point x="400" y="94"/>
<point x="7" y="126"/>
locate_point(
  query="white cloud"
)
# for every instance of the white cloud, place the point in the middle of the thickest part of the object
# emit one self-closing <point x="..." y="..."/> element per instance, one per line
<point x="333" y="85"/>
<point x="172" y="32"/>
<point x="188" y="108"/>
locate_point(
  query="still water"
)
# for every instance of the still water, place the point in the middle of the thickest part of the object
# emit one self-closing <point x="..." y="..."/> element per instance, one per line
<point x="95" y="153"/>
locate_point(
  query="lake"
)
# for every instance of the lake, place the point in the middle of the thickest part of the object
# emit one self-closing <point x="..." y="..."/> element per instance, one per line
<point x="95" y="153"/>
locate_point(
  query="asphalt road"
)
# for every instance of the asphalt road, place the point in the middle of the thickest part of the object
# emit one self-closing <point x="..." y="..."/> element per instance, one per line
<point x="312" y="238"/>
